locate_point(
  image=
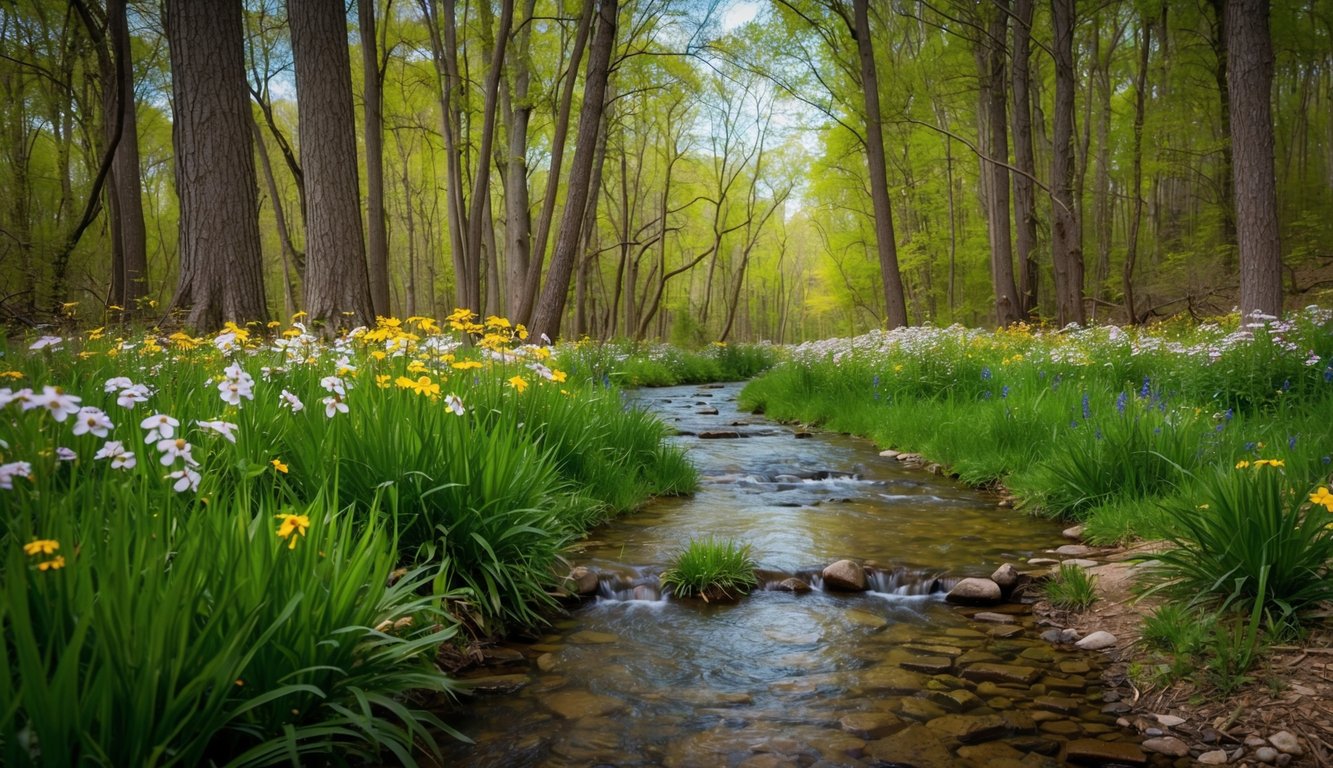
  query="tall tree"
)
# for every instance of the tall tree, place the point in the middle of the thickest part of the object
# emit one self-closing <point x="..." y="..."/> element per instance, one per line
<point x="337" y="288"/>
<point x="994" y="144"/>
<point x="1250" y="85"/>
<point x="1025" y="212"/>
<point x="551" y="306"/>
<point x="221" y="268"/>
<point x="895" y="306"/>
<point x="377" y="246"/>
<point x="1066" y="239"/>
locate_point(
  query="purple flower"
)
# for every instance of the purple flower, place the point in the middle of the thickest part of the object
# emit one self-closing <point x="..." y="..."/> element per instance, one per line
<point x="1004" y="391"/>
<point x="1291" y="442"/>
<point x="1087" y="409"/>
<point x="985" y="373"/>
<point x="1120" y="401"/>
<point x="1144" y="390"/>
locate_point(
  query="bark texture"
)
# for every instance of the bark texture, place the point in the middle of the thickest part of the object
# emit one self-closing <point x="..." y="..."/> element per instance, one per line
<point x="1250" y="83"/>
<point x="337" y="290"/>
<point x="221" y="268"/>
<point x="1066" y="240"/>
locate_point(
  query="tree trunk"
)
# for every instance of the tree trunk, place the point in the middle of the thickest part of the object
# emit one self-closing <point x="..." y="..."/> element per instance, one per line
<point x="337" y="289"/>
<point x="477" y="220"/>
<point x="1226" y="201"/>
<point x="289" y="254"/>
<point x="1066" y="241"/>
<point x="537" y="256"/>
<point x="221" y="267"/>
<point x="377" y="246"/>
<point x="517" y="111"/>
<point x="129" y="271"/>
<point x="1250" y="80"/>
<point x="547" y="314"/>
<point x="1025" y="209"/>
<point x="995" y="150"/>
<point x="1144" y="43"/>
<point x="895" y="307"/>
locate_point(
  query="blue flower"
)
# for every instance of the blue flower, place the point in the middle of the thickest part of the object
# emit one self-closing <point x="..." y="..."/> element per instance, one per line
<point x="985" y="373"/>
<point x="1328" y="374"/>
<point x="1291" y="442"/>
<point x="1121" y="400"/>
<point x="1004" y="391"/>
<point x="1087" y="409"/>
<point x="985" y="395"/>
<point x="1144" y="390"/>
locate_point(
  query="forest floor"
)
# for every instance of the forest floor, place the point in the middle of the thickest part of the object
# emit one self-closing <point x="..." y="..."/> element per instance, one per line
<point x="1290" y="688"/>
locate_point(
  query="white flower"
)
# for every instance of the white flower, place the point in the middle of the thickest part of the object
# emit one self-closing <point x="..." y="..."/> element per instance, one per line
<point x="454" y="403"/>
<point x="53" y="399"/>
<point x="120" y="458"/>
<point x="46" y="341"/>
<point x="66" y="454"/>
<point x="160" y="427"/>
<point x="186" y="479"/>
<point x="224" y="428"/>
<point x="175" y="448"/>
<point x="12" y="470"/>
<point x="225" y="342"/>
<point x="92" y="420"/>
<point x="133" y="395"/>
<point x="344" y="365"/>
<point x="8" y="396"/>
<point x="334" y="385"/>
<point x="235" y="372"/>
<point x="232" y="391"/>
<point x="292" y="401"/>
<point x="334" y="404"/>
<point x="116" y="384"/>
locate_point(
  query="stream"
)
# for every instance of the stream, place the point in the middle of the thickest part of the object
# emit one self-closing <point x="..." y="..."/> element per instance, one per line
<point x="891" y="676"/>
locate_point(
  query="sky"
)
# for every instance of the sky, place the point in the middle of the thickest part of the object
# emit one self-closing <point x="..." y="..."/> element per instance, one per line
<point x="738" y="13"/>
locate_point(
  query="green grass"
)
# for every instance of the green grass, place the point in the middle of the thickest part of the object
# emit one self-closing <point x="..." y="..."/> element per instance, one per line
<point x="712" y="570"/>
<point x="279" y="595"/>
<point x="1072" y="588"/>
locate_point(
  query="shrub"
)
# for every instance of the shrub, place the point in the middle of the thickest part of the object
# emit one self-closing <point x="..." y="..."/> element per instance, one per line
<point x="712" y="570"/>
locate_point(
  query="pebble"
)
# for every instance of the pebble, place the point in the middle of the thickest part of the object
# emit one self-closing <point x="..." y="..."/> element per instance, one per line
<point x="1097" y="641"/>
<point x="1214" y="757"/>
<point x="1170" y="721"/>
<point x="1286" y="742"/>
<point x="1266" y="755"/>
<point x="1167" y="745"/>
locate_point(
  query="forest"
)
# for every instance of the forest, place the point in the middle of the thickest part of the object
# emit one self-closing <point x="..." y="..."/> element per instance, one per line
<point x="684" y="170"/>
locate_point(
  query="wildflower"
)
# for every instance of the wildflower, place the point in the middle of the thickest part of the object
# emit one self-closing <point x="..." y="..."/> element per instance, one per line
<point x="60" y="405"/>
<point x="160" y="427"/>
<point x="92" y="420"/>
<point x="1121" y="401"/>
<point x="8" y="396"/>
<point x="1242" y="464"/>
<point x="12" y="470"/>
<point x="279" y="466"/>
<point x="185" y="478"/>
<point x="1275" y="463"/>
<point x="44" y="342"/>
<point x="291" y="401"/>
<point x="334" y="404"/>
<point x="518" y="383"/>
<point x="334" y="385"/>
<point x="115" y="450"/>
<point x="39" y="547"/>
<point x="54" y="564"/>
<point x="1144" y="390"/>
<point x="292" y="527"/>
<point x="416" y="366"/>
<point x="422" y="386"/>
<point x="382" y="381"/>
<point x="226" y="342"/>
<point x="66" y="454"/>
<point x="1322" y="496"/>
<point x="454" y="403"/>
<point x="224" y="428"/>
<point x="985" y="373"/>
<point x="132" y="396"/>
<point x="558" y="375"/>
<point x="175" y="448"/>
<point x="1087" y="410"/>
<point x="463" y="365"/>
<point x="237" y="384"/>
<point x="116" y="383"/>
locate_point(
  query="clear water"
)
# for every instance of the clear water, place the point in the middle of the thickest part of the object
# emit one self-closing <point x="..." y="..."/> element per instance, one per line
<point x="634" y="678"/>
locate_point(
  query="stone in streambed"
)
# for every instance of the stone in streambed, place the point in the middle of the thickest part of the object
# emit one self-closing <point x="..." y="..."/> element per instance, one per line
<point x="792" y="584"/>
<point x="1001" y="673"/>
<point x="582" y="581"/>
<point x="916" y="746"/>
<point x="870" y="725"/>
<point x="573" y="705"/>
<point x="1167" y="745"/>
<point x="1097" y="752"/>
<point x="1097" y="641"/>
<point x="1006" y="576"/>
<point x="973" y="591"/>
<point x="845" y="576"/>
<point x="969" y="729"/>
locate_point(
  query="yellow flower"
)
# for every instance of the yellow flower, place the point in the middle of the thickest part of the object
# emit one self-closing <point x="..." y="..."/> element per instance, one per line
<point x="422" y="386"/>
<point x="463" y="365"/>
<point x="1242" y="464"/>
<point x="497" y="322"/>
<point x="278" y="465"/>
<point x="299" y="315"/>
<point x="558" y="375"/>
<point x="382" y="381"/>
<point x="53" y="565"/>
<point x="292" y="524"/>
<point x="11" y="375"/>
<point x="378" y="354"/>
<point x="416" y="366"/>
<point x="518" y="382"/>
<point x="41" y="547"/>
<point x="1269" y="462"/>
<point x="1322" y="496"/>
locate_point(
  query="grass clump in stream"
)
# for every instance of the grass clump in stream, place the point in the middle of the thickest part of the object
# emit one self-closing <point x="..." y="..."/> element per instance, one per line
<point x="711" y="569"/>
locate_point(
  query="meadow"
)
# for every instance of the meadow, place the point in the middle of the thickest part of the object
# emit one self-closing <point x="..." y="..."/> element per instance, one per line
<point x="248" y="548"/>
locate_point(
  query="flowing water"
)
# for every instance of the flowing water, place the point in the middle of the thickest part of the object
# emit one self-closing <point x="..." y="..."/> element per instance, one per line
<point x="892" y="676"/>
